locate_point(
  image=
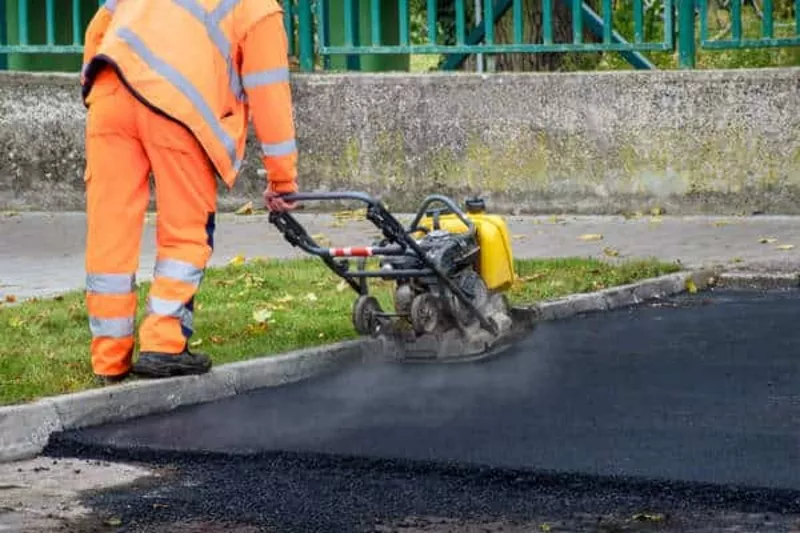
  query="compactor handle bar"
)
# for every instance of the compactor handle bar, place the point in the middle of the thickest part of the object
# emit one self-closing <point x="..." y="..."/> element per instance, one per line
<point x="376" y="212"/>
<point x="372" y="202"/>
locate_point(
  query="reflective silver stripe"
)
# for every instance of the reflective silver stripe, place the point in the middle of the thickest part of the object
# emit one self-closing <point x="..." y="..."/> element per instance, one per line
<point x="279" y="149"/>
<point x="110" y="283"/>
<point x="183" y="85"/>
<point x="160" y="306"/>
<point x="179" y="270"/>
<point x="266" y="77"/>
<point x="222" y="10"/>
<point x="235" y="80"/>
<point x="215" y="18"/>
<point x="111" y="5"/>
<point x="217" y="36"/>
<point x="116" y="328"/>
<point x="214" y="32"/>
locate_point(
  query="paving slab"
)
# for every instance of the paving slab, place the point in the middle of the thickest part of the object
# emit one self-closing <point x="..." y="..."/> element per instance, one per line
<point x="43" y="495"/>
<point x="42" y="254"/>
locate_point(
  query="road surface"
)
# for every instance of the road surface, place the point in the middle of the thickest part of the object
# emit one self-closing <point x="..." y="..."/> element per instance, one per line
<point x="678" y="416"/>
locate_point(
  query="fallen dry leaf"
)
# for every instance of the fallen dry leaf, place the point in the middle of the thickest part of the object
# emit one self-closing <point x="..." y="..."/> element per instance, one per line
<point x="256" y="328"/>
<point x="195" y="344"/>
<point x="691" y="286"/>
<point x="657" y="211"/>
<point x="341" y="286"/>
<point x="611" y="252"/>
<point x="246" y="209"/>
<point x="785" y="246"/>
<point x="518" y="237"/>
<point x="10" y="298"/>
<point x="767" y="240"/>
<point x="285" y="299"/>
<point x="238" y="260"/>
<point x="354" y="214"/>
<point x="261" y="316"/>
<point x="720" y="223"/>
<point x="591" y="237"/>
<point x="321" y="239"/>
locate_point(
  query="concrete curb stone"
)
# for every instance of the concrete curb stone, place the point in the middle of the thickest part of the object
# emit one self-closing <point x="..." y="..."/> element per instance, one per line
<point x="759" y="281"/>
<point x="25" y="429"/>
<point x="625" y="295"/>
<point x="138" y="398"/>
<point x="295" y="366"/>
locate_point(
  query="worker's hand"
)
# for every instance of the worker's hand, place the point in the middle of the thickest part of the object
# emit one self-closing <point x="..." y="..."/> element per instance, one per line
<point x="275" y="202"/>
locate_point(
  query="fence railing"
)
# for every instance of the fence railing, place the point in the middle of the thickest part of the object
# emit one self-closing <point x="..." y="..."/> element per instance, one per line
<point x="23" y="18"/>
<point x="324" y="29"/>
<point x="769" y="34"/>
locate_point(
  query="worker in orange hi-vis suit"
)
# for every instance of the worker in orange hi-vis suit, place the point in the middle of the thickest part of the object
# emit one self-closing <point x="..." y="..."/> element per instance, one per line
<point x="169" y="86"/>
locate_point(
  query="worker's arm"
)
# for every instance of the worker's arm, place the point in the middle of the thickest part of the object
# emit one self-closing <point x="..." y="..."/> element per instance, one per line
<point x="265" y="75"/>
<point x="95" y="32"/>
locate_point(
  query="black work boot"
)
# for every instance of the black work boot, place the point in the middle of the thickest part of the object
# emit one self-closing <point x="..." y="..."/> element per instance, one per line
<point x="163" y="365"/>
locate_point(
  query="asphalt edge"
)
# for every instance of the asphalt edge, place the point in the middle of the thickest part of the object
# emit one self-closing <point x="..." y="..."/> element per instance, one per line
<point x="25" y="429"/>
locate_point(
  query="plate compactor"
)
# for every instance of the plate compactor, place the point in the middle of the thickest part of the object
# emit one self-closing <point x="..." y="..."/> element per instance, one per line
<point x="450" y="271"/>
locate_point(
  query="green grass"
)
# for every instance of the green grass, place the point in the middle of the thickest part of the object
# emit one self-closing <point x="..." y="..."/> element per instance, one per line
<point x="249" y="310"/>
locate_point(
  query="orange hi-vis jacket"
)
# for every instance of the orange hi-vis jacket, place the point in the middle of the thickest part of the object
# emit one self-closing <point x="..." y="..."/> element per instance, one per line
<point x="205" y="64"/>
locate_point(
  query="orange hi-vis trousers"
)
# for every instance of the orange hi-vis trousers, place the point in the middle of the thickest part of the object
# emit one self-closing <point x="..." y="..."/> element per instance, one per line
<point x="125" y="142"/>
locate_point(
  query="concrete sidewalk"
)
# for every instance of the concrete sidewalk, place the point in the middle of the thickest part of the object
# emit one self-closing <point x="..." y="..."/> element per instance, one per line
<point x="42" y="254"/>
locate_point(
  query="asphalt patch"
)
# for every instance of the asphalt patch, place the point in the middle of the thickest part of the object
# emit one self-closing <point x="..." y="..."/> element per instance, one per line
<point x="682" y="415"/>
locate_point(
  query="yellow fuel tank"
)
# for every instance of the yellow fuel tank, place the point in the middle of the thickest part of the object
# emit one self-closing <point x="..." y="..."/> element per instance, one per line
<point x="496" y="260"/>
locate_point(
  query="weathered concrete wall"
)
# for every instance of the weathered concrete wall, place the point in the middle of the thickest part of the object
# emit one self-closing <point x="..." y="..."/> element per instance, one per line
<point x="721" y="142"/>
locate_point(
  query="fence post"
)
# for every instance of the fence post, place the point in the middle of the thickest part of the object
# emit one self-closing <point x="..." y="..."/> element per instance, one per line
<point x="305" y="30"/>
<point x="3" y="37"/>
<point x="686" y="34"/>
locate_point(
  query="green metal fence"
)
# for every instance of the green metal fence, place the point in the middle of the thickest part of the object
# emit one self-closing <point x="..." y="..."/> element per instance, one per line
<point x="771" y="34"/>
<point x="355" y="31"/>
<point x="28" y="16"/>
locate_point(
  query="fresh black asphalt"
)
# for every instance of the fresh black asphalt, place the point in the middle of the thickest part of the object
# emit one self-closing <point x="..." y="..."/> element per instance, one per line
<point x="686" y="405"/>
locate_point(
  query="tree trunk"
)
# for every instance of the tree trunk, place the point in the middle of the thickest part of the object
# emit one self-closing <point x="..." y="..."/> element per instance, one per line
<point x="532" y="33"/>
